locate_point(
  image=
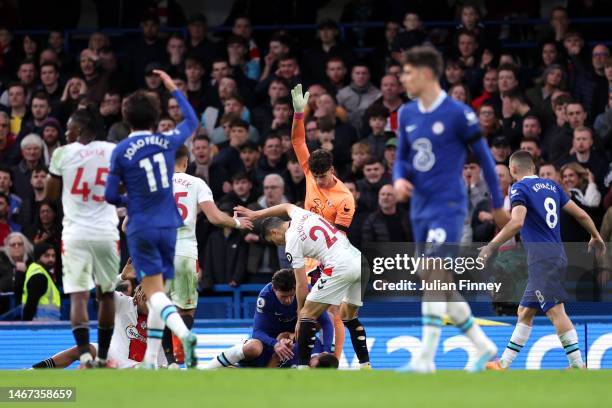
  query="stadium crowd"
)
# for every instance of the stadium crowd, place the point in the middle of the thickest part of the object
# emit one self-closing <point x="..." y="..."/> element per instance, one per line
<point x="554" y="101"/>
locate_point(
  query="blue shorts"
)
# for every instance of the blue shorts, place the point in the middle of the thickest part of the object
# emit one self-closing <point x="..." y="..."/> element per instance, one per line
<point x="152" y="251"/>
<point x="446" y="229"/>
<point x="545" y="287"/>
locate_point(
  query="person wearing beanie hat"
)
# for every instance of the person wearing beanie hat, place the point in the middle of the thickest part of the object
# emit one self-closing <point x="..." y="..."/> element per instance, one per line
<point x="41" y="298"/>
<point x="52" y="136"/>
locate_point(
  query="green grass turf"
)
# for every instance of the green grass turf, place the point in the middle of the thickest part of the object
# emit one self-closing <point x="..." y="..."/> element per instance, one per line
<point x="320" y="388"/>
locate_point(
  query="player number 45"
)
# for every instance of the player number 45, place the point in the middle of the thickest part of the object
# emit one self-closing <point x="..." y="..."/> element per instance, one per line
<point x="83" y="188"/>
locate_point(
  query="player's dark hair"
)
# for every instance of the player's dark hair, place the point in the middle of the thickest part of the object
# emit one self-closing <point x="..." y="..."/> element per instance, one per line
<point x="283" y="280"/>
<point x="141" y="112"/>
<point x="523" y="160"/>
<point x="181" y="153"/>
<point x="87" y="120"/>
<point x="320" y="161"/>
<point x="426" y="57"/>
<point x="327" y="360"/>
<point x="268" y="225"/>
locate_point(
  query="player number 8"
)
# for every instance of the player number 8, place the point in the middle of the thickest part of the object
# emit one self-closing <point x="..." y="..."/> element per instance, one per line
<point x="551" y="212"/>
<point x="424" y="159"/>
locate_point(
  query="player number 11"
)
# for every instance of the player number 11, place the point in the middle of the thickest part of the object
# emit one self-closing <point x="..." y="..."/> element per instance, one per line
<point x="163" y="171"/>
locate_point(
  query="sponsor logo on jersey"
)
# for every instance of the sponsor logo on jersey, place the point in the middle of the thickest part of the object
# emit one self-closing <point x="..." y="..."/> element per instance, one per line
<point x="289" y="257"/>
<point x="261" y="302"/>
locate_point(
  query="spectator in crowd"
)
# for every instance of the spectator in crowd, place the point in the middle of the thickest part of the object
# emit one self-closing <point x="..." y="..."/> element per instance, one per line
<point x="507" y="80"/>
<point x="580" y="80"/>
<point x="194" y="72"/>
<point x="121" y="129"/>
<point x="262" y="116"/>
<point x="532" y="145"/>
<point x="97" y="41"/>
<point x="226" y="88"/>
<point x="31" y="205"/>
<point x="176" y="51"/>
<point x="8" y="153"/>
<point x="335" y="75"/>
<point x="357" y="96"/>
<point x="579" y="184"/>
<point x="8" y="53"/>
<point x="489" y="88"/>
<point x="387" y="223"/>
<point x="390" y="155"/>
<point x="549" y="54"/>
<point x="242" y="190"/>
<point x="198" y="43"/>
<point x="282" y="112"/>
<point x="74" y="91"/>
<point x="374" y="179"/>
<point x="32" y="153"/>
<point x="278" y="46"/>
<point x="490" y="124"/>
<point x="570" y="116"/>
<point x="381" y="57"/>
<point x="233" y="107"/>
<point x="410" y="36"/>
<point x="600" y="94"/>
<point x="461" y="93"/>
<point x="532" y="127"/>
<point x="391" y="97"/>
<point x="263" y="257"/>
<point x="46" y="227"/>
<point x="500" y="149"/>
<point x="239" y="58"/>
<point x="18" y="108"/>
<point x="514" y="110"/>
<point x="361" y="153"/>
<point x="288" y="69"/>
<point x="467" y="48"/>
<point x="602" y="125"/>
<point x="540" y="96"/>
<point x="174" y="111"/>
<point x="6" y="184"/>
<point x="41" y="298"/>
<point x="582" y="153"/>
<point x="27" y="76"/>
<point x="6" y="224"/>
<point x="146" y="49"/>
<point x="376" y="116"/>
<point x="558" y="24"/>
<point x="272" y="160"/>
<point x="454" y="73"/>
<point x="549" y="171"/>
<point x="165" y="124"/>
<point x="49" y="84"/>
<point x="250" y="157"/>
<point x="110" y="107"/>
<point x="295" y="180"/>
<point x="328" y="46"/>
<point x="242" y="28"/>
<point x="95" y="79"/>
<point x="40" y="109"/>
<point x="227" y="162"/>
<point x="200" y="152"/>
<point x="225" y="256"/>
<point x="15" y="257"/>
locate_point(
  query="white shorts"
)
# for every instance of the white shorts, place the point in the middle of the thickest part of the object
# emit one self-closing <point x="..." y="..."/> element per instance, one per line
<point x="344" y="285"/>
<point x="86" y="264"/>
<point x="183" y="289"/>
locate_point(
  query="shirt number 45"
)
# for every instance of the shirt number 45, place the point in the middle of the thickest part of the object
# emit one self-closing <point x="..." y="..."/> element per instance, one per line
<point x="83" y="188"/>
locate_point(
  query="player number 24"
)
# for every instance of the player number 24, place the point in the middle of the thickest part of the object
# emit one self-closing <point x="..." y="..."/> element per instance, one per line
<point x="329" y="240"/>
<point x="83" y="189"/>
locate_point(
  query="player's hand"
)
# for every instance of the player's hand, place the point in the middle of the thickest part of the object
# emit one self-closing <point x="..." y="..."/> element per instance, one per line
<point x="245" y="223"/>
<point x="299" y="101"/>
<point x="20" y="266"/>
<point x="501" y="217"/>
<point x="403" y="189"/>
<point x="486" y="252"/>
<point x="167" y="81"/>
<point x="124" y="224"/>
<point x="597" y="246"/>
<point x="245" y="212"/>
<point x="282" y="349"/>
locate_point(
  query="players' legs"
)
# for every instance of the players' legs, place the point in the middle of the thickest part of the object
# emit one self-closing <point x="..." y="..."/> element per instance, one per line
<point x="567" y="334"/>
<point x="105" y="266"/>
<point x="79" y="319"/>
<point x="307" y="329"/>
<point x="357" y="332"/>
<point x="339" y="335"/>
<point x="520" y="335"/>
<point x="64" y="358"/>
<point x="247" y="351"/>
<point x="460" y="313"/>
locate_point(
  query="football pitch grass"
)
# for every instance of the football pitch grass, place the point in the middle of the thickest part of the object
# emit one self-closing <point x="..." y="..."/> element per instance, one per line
<point x="319" y="388"/>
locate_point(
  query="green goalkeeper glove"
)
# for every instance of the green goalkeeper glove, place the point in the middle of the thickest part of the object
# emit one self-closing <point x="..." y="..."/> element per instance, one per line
<point x="299" y="101"/>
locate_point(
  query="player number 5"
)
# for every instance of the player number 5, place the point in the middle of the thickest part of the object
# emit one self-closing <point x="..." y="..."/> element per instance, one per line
<point x="181" y="207"/>
<point x="551" y="212"/>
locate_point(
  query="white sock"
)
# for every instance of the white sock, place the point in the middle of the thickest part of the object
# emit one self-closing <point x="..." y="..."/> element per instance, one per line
<point x="520" y="335"/>
<point x="569" y="340"/>
<point x="162" y="306"/>
<point x="155" y="332"/>
<point x="432" y="315"/>
<point x="461" y="315"/>
<point x="85" y="358"/>
<point x="228" y="358"/>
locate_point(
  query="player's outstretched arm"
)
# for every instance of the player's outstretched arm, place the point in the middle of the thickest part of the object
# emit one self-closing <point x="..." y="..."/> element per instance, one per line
<point x="221" y="219"/>
<point x="512" y="227"/>
<point x="298" y="132"/>
<point x="279" y="210"/>
<point x="190" y="122"/>
<point x="596" y="243"/>
<point x="111" y="193"/>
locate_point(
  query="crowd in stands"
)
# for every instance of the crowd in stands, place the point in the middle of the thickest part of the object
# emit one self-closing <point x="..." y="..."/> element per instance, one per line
<point x="554" y="101"/>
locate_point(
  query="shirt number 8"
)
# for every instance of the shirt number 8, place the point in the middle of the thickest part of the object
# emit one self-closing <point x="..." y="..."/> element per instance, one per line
<point x="424" y="159"/>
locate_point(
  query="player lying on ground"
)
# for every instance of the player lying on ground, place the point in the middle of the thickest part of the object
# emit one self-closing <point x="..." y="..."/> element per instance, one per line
<point x="435" y="133"/>
<point x="326" y="195"/>
<point x="144" y="164"/>
<point x="90" y="239"/>
<point x="275" y="316"/>
<point x="536" y="210"/>
<point x="342" y="282"/>
<point x="129" y="339"/>
<point x="192" y="194"/>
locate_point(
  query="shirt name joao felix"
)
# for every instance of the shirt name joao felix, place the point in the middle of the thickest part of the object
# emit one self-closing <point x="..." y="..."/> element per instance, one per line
<point x="145" y="141"/>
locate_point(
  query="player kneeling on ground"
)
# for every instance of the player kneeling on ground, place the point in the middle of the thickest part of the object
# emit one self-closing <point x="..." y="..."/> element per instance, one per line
<point x="342" y="281"/>
<point x="275" y="319"/>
